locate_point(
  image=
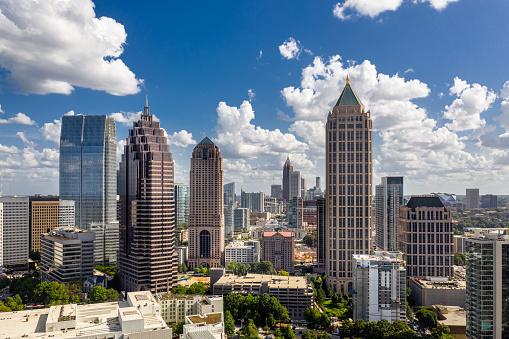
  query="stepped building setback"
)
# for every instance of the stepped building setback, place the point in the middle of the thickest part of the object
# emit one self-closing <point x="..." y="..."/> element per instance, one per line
<point x="147" y="258"/>
<point x="348" y="187"/>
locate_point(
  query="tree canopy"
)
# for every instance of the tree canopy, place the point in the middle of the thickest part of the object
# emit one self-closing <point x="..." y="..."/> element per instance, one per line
<point x="262" y="267"/>
<point x="259" y="308"/>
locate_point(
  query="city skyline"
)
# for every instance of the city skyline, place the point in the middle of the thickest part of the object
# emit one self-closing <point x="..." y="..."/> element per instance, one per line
<point x="439" y="114"/>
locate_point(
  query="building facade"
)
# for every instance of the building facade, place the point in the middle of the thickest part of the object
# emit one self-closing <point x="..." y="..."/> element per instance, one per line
<point x="294" y="211"/>
<point x="287" y="169"/>
<point x="254" y="201"/>
<point x="16" y="226"/>
<point x="67" y="253"/>
<point x="487" y="275"/>
<point x="273" y="205"/>
<point x="472" y="198"/>
<point x="229" y="194"/>
<point x="243" y="252"/>
<point x="276" y="191"/>
<point x="348" y="187"/>
<point x="206" y="219"/>
<point x="321" y="211"/>
<point x="240" y="219"/>
<point x="147" y="258"/>
<point x="426" y="237"/>
<point x="489" y="201"/>
<point x="388" y="200"/>
<point x="279" y="249"/>
<point x="175" y="308"/>
<point x="229" y="229"/>
<point x="295" y="189"/>
<point x="1" y="237"/>
<point x="88" y="173"/>
<point x="181" y="196"/>
<point x="379" y="284"/>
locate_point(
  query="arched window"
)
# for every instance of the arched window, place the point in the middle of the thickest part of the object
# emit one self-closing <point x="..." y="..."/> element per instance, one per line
<point x="204" y="244"/>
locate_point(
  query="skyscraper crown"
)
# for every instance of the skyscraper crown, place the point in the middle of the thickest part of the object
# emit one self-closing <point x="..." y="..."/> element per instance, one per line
<point x="348" y="96"/>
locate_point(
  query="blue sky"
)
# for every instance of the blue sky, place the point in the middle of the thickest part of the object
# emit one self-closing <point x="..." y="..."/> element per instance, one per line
<point x="258" y="78"/>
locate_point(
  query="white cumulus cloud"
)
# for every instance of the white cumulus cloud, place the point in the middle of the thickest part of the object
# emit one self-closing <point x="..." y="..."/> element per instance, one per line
<point x="182" y="138"/>
<point x="465" y="111"/>
<point x="372" y="8"/>
<point x="52" y="46"/>
<point x="50" y="131"/>
<point x="290" y="49"/>
<point x="19" y="118"/>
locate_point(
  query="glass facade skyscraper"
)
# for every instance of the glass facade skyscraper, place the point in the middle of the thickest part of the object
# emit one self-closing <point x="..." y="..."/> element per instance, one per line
<point x="389" y="198"/>
<point x="181" y="193"/>
<point x="88" y="175"/>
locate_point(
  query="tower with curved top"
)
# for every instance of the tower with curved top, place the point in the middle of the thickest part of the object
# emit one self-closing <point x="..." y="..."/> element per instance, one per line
<point x="348" y="190"/>
<point x="206" y="219"/>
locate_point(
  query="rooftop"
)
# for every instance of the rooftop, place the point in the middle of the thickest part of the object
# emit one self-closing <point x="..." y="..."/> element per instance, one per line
<point x="284" y="234"/>
<point x="206" y="141"/>
<point x="209" y="318"/>
<point x="273" y="281"/>
<point x="348" y="96"/>
<point x="455" y="284"/>
<point x="424" y="201"/>
<point x="452" y="315"/>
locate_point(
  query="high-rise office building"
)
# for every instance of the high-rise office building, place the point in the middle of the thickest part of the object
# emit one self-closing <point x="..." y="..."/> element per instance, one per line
<point x="279" y="249"/>
<point x="487" y="290"/>
<point x="295" y="189"/>
<point x="147" y="259"/>
<point x="303" y="188"/>
<point x="240" y="218"/>
<point x="348" y="187"/>
<point x="181" y="196"/>
<point x="15" y="231"/>
<point x="276" y="191"/>
<point x="379" y="283"/>
<point x="88" y="176"/>
<point x="229" y="194"/>
<point x="229" y="228"/>
<point x="321" y="217"/>
<point x="318" y="183"/>
<point x="489" y="201"/>
<point x="47" y="213"/>
<point x="67" y="253"/>
<point x="426" y="237"/>
<point x="287" y="169"/>
<point x="294" y="212"/>
<point x="472" y="198"/>
<point x="255" y="201"/>
<point x="206" y="218"/>
<point x="388" y="199"/>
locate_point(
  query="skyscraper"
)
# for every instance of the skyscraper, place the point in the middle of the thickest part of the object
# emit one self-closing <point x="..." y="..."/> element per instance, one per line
<point x="295" y="189"/>
<point x="276" y="191"/>
<point x="287" y="169"/>
<point x="88" y="164"/>
<point x="229" y="194"/>
<point x="321" y="217"/>
<point x="181" y="195"/>
<point x="472" y="198"/>
<point x="348" y="187"/>
<point x="255" y="201"/>
<point x="147" y="259"/>
<point x="15" y="231"/>
<point x="206" y="219"/>
<point x="388" y="198"/>
<point x="487" y="292"/>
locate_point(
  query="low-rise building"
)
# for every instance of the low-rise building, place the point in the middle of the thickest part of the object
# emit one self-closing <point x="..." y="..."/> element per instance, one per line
<point x="139" y="316"/>
<point x="438" y="291"/>
<point x="244" y="252"/>
<point x="455" y="318"/>
<point x="379" y="283"/>
<point x="295" y="293"/>
<point x="207" y="326"/>
<point x="67" y="253"/>
<point x="175" y="308"/>
<point x="94" y="281"/>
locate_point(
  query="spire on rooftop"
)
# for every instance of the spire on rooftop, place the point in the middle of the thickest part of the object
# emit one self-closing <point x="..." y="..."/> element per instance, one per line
<point x="146" y="109"/>
<point x="206" y="141"/>
<point x="348" y="96"/>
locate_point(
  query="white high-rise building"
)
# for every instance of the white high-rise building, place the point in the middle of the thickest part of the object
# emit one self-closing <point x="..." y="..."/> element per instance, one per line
<point x="379" y="287"/>
<point x="244" y="252"/>
<point x="228" y="221"/>
<point x="1" y="238"/>
<point x="66" y="216"/>
<point x="388" y="199"/>
<point x="15" y="231"/>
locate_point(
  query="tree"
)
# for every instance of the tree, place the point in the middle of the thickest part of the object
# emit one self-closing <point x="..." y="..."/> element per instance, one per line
<point x="51" y="293"/>
<point x="288" y="333"/>
<point x="459" y="259"/>
<point x="283" y="273"/>
<point x="270" y="320"/>
<point x="278" y="334"/>
<point x="98" y="294"/>
<point x="308" y="335"/>
<point x="197" y="270"/>
<point x="196" y="288"/>
<point x="177" y="329"/>
<point x="427" y="319"/>
<point x="229" y="324"/>
<point x="15" y="303"/>
<point x="250" y="332"/>
<point x="112" y="295"/>
<point x="322" y="336"/>
<point x="409" y="313"/>
<point x="35" y="255"/>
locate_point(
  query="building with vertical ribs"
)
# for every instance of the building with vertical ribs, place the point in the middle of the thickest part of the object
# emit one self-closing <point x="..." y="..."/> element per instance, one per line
<point x="287" y="169"/>
<point x="147" y="259"/>
<point x="388" y="199"/>
<point x="279" y="249"/>
<point x="206" y="218"/>
<point x="348" y="187"/>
